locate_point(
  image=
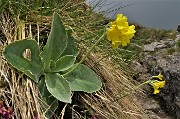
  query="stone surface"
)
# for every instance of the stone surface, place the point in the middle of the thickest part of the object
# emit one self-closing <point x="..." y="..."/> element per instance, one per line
<point x="159" y="45"/>
<point x="177" y="38"/>
<point x="170" y="94"/>
<point x="169" y="66"/>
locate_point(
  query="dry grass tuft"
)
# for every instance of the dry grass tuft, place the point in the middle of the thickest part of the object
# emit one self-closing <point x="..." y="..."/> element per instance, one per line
<point x="16" y="89"/>
<point x="107" y="102"/>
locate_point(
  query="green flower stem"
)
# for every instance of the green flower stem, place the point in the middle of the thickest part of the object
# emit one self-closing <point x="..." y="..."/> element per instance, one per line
<point x="137" y="87"/>
<point x="87" y="54"/>
<point x="146" y="82"/>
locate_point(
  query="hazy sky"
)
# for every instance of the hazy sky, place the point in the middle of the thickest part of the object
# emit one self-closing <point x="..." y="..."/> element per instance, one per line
<point x="152" y="13"/>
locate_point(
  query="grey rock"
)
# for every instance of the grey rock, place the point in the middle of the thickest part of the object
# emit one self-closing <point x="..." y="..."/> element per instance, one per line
<point x="158" y="60"/>
<point x="170" y="68"/>
<point x="177" y="38"/>
<point x="153" y="46"/>
<point x="159" y="45"/>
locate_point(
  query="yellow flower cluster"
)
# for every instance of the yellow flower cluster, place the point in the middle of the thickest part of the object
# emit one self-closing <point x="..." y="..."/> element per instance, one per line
<point x="120" y="32"/>
<point x="158" y="84"/>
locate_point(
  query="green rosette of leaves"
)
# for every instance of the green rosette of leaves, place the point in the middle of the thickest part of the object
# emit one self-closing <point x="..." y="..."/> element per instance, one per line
<point x="47" y="68"/>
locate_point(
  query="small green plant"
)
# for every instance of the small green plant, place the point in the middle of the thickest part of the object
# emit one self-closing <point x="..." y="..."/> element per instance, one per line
<point x="157" y="82"/>
<point x="55" y="69"/>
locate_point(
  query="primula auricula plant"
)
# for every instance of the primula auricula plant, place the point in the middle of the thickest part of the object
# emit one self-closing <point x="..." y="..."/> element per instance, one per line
<point x="156" y="82"/>
<point x="55" y="69"/>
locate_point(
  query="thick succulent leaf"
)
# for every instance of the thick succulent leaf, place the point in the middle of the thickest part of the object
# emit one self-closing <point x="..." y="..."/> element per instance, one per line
<point x="14" y="55"/>
<point x="50" y="103"/>
<point x="64" y="63"/>
<point x="84" y="79"/>
<point x="56" y="44"/>
<point x="58" y="87"/>
<point x="71" y="48"/>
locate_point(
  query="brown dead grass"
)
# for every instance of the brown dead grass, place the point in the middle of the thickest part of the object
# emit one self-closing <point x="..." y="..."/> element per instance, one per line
<point x="18" y="90"/>
<point x="109" y="102"/>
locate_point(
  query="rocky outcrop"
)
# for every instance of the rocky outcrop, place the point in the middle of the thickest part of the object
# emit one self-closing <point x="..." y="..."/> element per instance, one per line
<point x="170" y="68"/>
<point x="159" y="45"/>
<point x="169" y="65"/>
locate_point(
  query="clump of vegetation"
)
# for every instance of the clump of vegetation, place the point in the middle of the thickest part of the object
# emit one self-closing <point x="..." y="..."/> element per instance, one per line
<point x="56" y="63"/>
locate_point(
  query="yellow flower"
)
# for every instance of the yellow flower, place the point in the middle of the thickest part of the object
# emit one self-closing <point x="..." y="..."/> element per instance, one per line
<point x="156" y="85"/>
<point x="159" y="76"/>
<point x="120" y="32"/>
